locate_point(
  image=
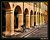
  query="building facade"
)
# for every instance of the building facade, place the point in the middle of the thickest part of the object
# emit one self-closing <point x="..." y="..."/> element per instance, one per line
<point x="29" y="14"/>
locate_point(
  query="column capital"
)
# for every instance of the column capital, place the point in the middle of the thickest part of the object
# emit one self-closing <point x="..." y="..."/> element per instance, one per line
<point x="9" y="11"/>
<point x="6" y="9"/>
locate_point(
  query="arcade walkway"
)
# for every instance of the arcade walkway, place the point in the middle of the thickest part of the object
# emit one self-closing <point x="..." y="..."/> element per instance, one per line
<point x="33" y="32"/>
<point x="28" y="15"/>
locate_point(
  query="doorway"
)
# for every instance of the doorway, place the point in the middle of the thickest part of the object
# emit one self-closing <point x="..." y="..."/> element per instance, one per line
<point x="17" y="17"/>
<point x="35" y="18"/>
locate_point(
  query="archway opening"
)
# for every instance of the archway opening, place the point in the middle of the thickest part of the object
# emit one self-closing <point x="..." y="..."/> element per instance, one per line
<point x="31" y="13"/>
<point x="16" y="12"/>
<point x="31" y="18"/>
<point x="25" y="13"/>
<point x="3" y="20"/>
<point x="35" y="18"/>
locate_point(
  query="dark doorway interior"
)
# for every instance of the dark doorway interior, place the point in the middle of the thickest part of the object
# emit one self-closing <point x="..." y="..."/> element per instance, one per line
<point x="25" y="13"/>
<point x="3" y="18"/>
<point x="31" y="13"/>
<point x="35" y="18"/>
<point x="15" y="19"/>
<point x="24" y="19"/>
<point x="16" y="12"/>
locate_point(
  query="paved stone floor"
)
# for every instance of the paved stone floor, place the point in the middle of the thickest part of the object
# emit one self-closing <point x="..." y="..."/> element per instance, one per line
<point x="41" y="31"/>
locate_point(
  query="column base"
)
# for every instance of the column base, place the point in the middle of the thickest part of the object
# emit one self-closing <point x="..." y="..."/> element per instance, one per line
<point x="32" y="27"/>
<point x="37" y="24"/>
<point x="7" y="34"/>
<point x="27" y="27"/>
<point x="18" y="30"/>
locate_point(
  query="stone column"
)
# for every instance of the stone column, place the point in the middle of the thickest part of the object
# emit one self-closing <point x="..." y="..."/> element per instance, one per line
<point x="46" y="18"/>
<point x="12" y="22"/>
<point x="20" y="21"/>
<point x="43" y="19"/>
<point x="36" y="19"/>
<point x="40" y="19"/>
<point x="32" y="20"/>
<point x="41" y="11"/>
<point x="27" y="21"/>
<point x="37" y="15"/>
<point x="9" y="23"/>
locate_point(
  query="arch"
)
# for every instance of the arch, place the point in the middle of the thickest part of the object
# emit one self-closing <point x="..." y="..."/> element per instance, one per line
<point x="26" y="11"/>
<point x="34" y="12"/>
<point x="16" y="17"/>
<point x="18" y="9"/>
<point x="31" y="12"/>
<point x="6" y="5"/>
<point x="31" y="18"/>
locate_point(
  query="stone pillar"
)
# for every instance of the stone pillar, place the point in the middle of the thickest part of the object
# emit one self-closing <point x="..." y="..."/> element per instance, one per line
<point x="36" y="19"/>
<point x="32" y="20"/>
<point x="43" y="18"/>
<point x="27" y="21"/>
<point x="9" y="23"/>
<point x="37" y="15"/>
<point x="46" y="18"/>
<point x="41" y="11"/>
<point x="40" y="19"/>
<point x="20" y="21"/>
<point x="12" y="23"/>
